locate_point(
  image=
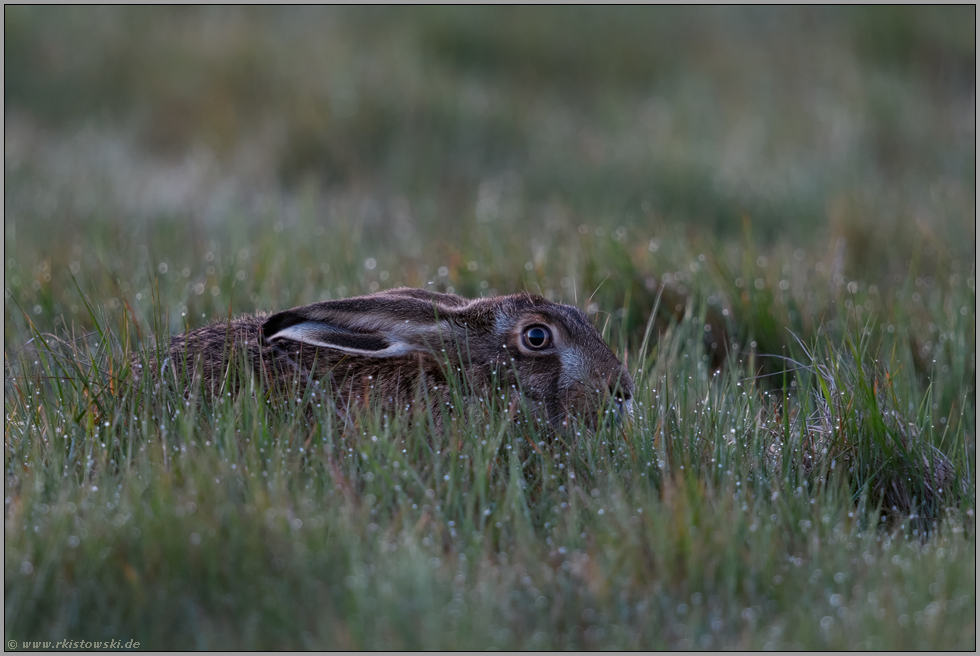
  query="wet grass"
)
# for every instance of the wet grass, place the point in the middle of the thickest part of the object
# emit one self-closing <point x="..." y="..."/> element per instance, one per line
<point x="782" y="254"/>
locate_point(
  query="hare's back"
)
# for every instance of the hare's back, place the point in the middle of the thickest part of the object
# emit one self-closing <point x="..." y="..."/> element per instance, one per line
<point x="209" y="350"/>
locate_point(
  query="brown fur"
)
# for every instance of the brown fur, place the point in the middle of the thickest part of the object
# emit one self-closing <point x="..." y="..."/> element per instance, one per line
<point x="391" y="347"/>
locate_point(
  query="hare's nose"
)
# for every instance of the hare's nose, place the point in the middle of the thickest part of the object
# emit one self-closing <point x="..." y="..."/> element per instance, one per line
<point x="619" y="393"/>
<point x="624" y="407"/>
<point x="621" y="402"/>
<point x="618" y="411"/>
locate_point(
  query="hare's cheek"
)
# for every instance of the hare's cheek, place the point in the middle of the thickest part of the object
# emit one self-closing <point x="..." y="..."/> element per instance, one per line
<point x="578" y="400"/>
<point x="538" y="389"/>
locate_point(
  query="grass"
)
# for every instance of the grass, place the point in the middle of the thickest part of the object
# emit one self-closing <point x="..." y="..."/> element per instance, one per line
<point x="799" y="476"/>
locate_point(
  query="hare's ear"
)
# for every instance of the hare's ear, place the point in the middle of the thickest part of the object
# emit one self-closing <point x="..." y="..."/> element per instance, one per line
<point x="438" y="299"/>
<point x="380" y="325"/>
<point x="290" y="325"/>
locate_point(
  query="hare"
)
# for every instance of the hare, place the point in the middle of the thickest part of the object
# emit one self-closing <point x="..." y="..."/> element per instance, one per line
<point x="397" y="346"/>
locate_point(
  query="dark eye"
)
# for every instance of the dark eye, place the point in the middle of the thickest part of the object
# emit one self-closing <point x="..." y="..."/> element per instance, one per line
<point x="537" y="337"/>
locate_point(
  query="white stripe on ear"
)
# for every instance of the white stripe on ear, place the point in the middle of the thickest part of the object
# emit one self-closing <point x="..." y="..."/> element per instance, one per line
<point x="393" y="350"/>
<point x="317" y="334"/>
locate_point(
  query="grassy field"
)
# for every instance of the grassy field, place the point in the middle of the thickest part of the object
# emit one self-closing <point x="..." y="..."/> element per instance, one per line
<point x="768" y="213"/>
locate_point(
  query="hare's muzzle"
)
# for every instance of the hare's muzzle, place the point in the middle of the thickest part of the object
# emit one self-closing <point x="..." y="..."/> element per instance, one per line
<point x="624" y="409"/>
<point x="618" y="405"/>
<point x="618" y="410"/>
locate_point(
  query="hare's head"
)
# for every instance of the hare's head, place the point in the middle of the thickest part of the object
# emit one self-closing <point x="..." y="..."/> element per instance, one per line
<point x="550" y="352"/>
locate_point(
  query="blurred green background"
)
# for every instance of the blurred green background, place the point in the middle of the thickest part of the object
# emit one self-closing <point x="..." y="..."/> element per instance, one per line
<point x="812" y="123"/>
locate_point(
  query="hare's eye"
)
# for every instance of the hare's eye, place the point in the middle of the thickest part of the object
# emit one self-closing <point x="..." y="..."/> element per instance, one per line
<point x="537" y="337"/>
